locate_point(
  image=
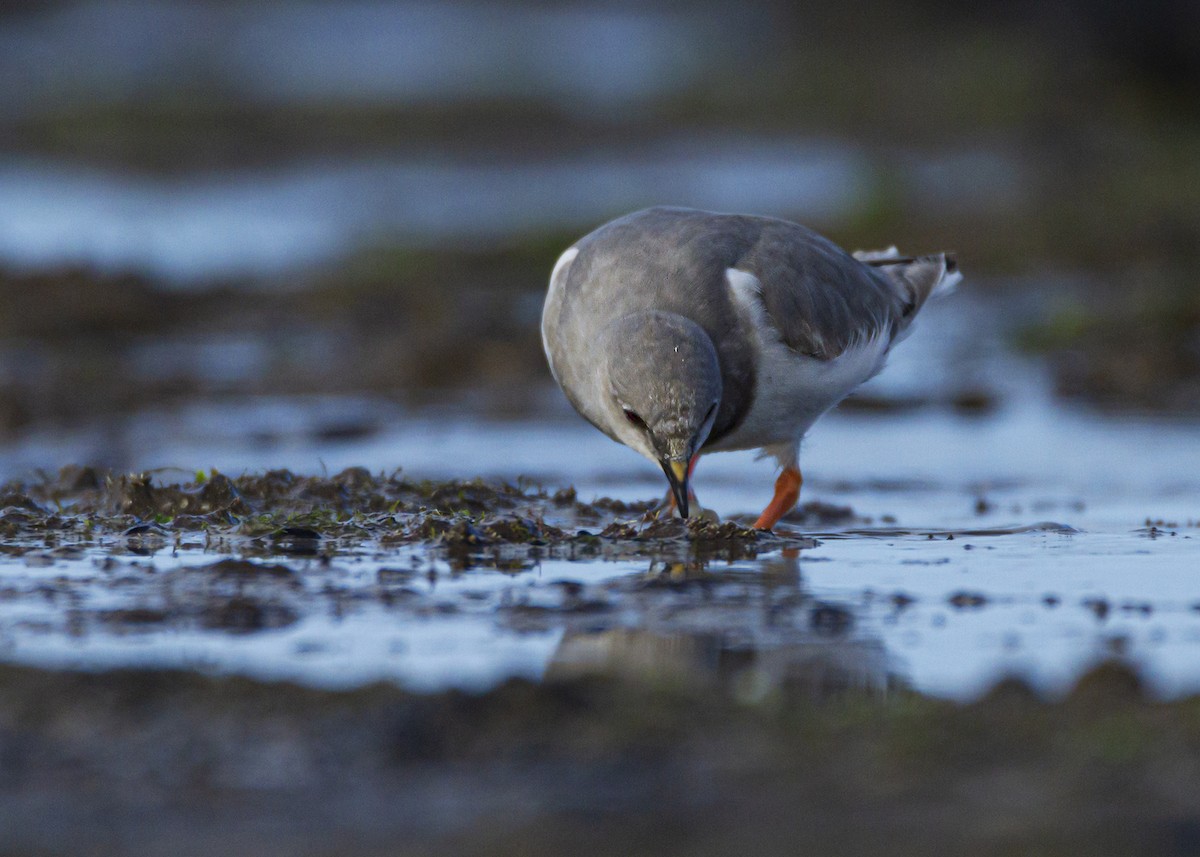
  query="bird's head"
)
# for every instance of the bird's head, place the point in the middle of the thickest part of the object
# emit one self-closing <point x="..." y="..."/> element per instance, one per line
<point x="664" y="385"/>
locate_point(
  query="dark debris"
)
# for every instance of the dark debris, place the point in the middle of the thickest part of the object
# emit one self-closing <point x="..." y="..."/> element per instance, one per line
<point x="287" y="513"/>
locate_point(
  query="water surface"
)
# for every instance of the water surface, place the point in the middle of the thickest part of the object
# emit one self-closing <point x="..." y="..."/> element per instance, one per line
<point x="954" y="548"/>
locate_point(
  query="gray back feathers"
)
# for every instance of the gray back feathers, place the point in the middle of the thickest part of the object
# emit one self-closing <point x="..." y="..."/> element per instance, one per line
<point x="820" y="299"/>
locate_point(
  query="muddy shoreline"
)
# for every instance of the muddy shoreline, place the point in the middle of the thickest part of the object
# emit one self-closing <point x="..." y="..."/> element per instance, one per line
<point x="652" y="730"/>
<point x="280" y="512"/>
<point x="155" y="762"/>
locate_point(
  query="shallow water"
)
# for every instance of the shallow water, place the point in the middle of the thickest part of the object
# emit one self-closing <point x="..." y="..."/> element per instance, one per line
<point x="268" y="222"/>
<point x="945" y="613"/>
<point x="1033" y="539"/>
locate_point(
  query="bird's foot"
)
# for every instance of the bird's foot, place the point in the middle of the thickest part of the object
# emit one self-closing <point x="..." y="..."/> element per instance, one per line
<point x="787" y="492"/>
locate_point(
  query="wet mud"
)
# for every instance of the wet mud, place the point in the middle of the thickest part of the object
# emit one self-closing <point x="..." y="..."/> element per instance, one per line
<point x="163" y="762"/>
<point x="81" y="347"/>
<point x="280" y="512"/>
<point x="688" y="701"/>
<point x="1135" y="348"/>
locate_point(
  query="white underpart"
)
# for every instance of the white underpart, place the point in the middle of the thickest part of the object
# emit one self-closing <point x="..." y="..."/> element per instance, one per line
<point x="792" y="390"/>
<point x="557" y="276"/>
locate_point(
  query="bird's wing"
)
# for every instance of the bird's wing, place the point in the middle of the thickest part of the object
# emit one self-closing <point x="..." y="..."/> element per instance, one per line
<point x="821" y="299"/>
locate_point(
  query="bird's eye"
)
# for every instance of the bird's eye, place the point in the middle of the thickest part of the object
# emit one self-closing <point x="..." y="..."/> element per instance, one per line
<point x="634" y="419"/>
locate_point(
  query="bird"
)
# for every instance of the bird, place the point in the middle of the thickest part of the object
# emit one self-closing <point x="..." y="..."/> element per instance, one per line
<point x="680" y="332"/>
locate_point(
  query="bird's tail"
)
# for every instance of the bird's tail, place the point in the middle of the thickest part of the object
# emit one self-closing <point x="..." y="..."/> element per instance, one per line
<point x="920" y="277"/>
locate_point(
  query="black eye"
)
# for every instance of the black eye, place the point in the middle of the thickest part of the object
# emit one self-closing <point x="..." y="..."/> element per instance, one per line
<point x="634" y="418"/>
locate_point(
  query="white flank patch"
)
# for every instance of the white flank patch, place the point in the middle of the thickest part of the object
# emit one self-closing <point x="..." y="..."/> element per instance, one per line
<point x="557" y="276"/>
<point x="792" y="390"/>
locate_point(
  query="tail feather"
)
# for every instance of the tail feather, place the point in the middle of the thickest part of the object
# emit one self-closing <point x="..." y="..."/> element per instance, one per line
<point x="920" y="277"/>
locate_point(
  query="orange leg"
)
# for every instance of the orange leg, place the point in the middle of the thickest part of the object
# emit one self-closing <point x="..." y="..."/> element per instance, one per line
<point x="787" y="492"/>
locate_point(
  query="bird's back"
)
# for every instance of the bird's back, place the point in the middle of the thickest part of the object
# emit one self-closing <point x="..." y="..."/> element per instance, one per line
<point x="819" y="299"/>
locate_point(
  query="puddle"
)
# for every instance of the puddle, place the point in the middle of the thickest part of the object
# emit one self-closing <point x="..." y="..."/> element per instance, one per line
<point x="947" y="616"/>
<point x="337" y="601"/>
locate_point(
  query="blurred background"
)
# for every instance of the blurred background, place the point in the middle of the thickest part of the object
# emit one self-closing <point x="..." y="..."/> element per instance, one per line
<point x="294" y="225"/>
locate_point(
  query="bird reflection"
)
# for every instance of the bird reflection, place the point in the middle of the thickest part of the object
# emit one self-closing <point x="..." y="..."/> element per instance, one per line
<point x="751" y="628"/>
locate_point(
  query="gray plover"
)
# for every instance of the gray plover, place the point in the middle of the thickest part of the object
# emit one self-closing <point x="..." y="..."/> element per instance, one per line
<point x="680" y="332"/>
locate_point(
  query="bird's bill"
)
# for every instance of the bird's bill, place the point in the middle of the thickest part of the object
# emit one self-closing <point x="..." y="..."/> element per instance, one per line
<point x="677" y="476"/>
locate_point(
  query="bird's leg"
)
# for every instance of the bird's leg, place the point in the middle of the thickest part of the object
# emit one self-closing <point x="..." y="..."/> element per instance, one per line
<point x="787" y="492"/>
